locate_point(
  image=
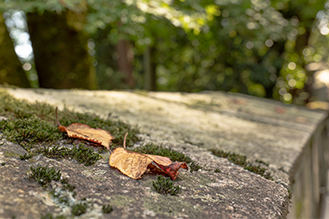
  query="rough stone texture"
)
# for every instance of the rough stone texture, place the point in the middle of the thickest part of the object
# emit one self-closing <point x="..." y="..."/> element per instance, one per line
<point x="189" y="123"/>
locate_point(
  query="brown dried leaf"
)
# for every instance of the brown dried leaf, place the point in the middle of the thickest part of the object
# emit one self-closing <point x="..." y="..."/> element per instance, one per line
<point x="134" y="164"/>
<point x="129" y="163"/>
<point x="85" y="132"/>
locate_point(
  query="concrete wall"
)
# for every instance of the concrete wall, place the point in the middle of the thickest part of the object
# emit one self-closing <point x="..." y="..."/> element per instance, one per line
<point x="292" y="140"/>
<point x="309" y="177"/>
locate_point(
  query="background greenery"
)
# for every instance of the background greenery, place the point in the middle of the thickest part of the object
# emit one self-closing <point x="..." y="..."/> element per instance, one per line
<point x="257" y="47"/>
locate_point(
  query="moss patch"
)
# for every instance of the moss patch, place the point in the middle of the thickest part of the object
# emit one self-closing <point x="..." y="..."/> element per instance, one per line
<point x="11" y="154"/>
<point x="79" y="209"/>
<point x="106" y="209"/>
<point x="165" y="186"/>
<point x="242" y="161"/>
<point x="33" y="126"/>
<point x="44" y="175"/>
<point x="82" y="154"/>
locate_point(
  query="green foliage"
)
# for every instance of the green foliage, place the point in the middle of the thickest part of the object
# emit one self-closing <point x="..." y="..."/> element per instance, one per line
<point x="242" y="161"/>
<point x="44" y="175"/>
<point x="165" y="186"/>
<point x="254" y="47"/>
<point x="239" y="46"/>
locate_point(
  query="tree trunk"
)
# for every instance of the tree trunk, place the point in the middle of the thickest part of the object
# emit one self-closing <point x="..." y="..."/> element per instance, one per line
<point x="60" y="49"/>
<point x="125" y="62"/>
<point x="149" y="69"/>
<point x="11" y="70"/>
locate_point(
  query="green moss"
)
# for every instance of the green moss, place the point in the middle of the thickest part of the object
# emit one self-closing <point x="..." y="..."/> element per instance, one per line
<point x="82" y="154"/>
<point x="79" y="209"/>
<point x="29" y="131"/>
<point x="50" y="216"/>
<point x="47" y="216"/>
<point x="106" y="209"/>
<point x="44" y="175"/>
<point x="165" y="186"/>
<point x="194" y="166"/>
<point x="262" y="162"/>
<point x="151" y="148"/>
<point x="60" y="198"/>
<point x="233" y="157"/>
<point x="242" y="161"/>
<point x="66" y="185"/>
<point x="33" y="124"/>
<point x="11" y="154"/>
<point x="26" y="156"/>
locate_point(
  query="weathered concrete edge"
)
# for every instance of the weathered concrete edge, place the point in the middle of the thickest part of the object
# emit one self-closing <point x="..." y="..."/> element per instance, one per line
<point x="322" y="125"/>
<point x="310" y="167"/>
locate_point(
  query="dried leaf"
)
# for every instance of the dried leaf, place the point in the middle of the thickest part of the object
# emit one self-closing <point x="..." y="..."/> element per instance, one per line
<point x="134" y="164"/>
<point x="85" y="132"/>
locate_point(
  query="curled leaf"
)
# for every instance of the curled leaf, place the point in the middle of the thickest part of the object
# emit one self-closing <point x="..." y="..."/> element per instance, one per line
<point x="85" y="132"/>
<point x="134" y="164"/>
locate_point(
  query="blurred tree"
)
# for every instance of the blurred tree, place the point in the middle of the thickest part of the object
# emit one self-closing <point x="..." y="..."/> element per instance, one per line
<point x="125" y="61"/>
<point x="105" y="55"/>
<point x="238" y="49"/>
<point x="11" y="70"/>
<point x="294" y="83"/>
<point x="255" y="47"/>
<point x="60" y="47"/>
<point x="258" y="47"/>
<point x="138" y="22"/>
<point x="149" y="66"/>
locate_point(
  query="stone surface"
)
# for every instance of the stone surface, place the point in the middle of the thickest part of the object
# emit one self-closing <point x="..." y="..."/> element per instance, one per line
<point x="190" y="123"/>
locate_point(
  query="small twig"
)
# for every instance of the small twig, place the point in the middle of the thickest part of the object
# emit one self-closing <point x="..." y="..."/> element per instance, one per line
<point x="57" y="118"/>
<point x="124" y="141"/>
<point x="60" y="127"/>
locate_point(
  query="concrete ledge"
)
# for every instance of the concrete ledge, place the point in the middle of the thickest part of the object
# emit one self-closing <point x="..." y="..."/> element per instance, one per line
<point x="292" y="140"/>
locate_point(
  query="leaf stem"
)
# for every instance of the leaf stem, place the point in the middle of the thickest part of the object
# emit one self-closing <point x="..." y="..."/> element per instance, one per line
<point x="124" y="140"/>
<point x="57" y="118"/>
